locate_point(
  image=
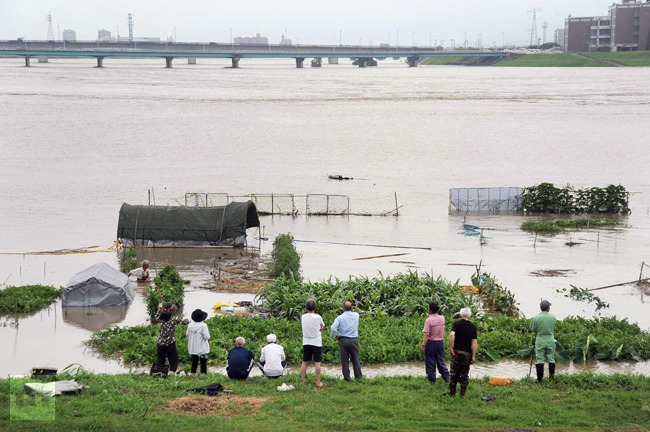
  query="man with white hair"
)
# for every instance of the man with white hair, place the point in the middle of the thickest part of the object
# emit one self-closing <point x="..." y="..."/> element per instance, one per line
<point x="142" y="273"/>
<point x="463" y="344"/>
<point x="272" y="359"/>
<point x="240" y="360"/>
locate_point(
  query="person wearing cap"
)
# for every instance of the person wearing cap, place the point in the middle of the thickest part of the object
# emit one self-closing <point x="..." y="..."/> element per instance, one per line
<point x="272" y="359"/>
<point x="544" y="327"/>
<point x="240" y="360"/>
<point x="166" y="348"/>
<point x="346" y="330"/>
<point x="198" y="346"/>
<point x="142" y="273"/>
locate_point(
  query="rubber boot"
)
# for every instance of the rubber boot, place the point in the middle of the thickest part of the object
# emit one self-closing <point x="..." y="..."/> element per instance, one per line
<point x="551" y="370"/>
<point x="463" y="391"/>
<point x="540" y="372"/>
<point x="452" y="390"/>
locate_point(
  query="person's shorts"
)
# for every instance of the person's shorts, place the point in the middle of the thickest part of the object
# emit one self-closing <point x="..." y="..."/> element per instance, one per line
<point x="310" y="351"/>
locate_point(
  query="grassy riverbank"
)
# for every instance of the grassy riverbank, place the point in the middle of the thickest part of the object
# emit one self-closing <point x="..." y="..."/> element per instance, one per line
<point x="142" y="403"/>
<point x="552" y="60"/>
<point x="631" y="58"/>
<point x="593" y="59"/>
<point x="28" y="298"/>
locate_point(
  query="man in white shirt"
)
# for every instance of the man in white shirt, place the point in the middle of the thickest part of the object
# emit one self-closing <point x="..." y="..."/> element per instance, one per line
<point x="272" y="360"/>
<point x="312" y="342"/>
<point x="142" y="273"/>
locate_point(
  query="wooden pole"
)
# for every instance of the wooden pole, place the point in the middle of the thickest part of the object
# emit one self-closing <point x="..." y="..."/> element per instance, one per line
<point x="641" y="272"/>
<point x="397" y="209"/>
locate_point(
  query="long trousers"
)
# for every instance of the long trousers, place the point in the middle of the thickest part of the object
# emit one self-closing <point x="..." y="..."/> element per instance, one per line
<point x="195" y="363"/>
<point x="170" y="352"/>
<point x="434" y="356"/>
<point x="460" y="369"/>
<point x="349" y="350"/>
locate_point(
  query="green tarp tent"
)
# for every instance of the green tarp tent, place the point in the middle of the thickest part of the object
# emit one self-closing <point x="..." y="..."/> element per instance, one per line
<point x="142" y="225"/>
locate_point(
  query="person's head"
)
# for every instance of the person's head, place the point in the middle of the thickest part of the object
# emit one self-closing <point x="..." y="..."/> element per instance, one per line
<point x="433" y="307"/>
<point x="545" y="305"/>
<point x="271" y="338"/>
<point x="240" y="342"/>
<point x="145" y="264"/>
<point x="167" y="310"/>
<point x="466" y="313"/>
<point x="310" y="305"/>
<point x="198" y="315"/>
<point x="347" y="306"/>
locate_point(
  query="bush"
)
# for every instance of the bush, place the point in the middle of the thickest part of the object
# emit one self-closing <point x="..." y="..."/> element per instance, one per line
<point x="130" y="260"/>
<point x="546" y="198"/>
<point x="285" y="259"/>
<point x="561" y="225"/>
<point x="28" y="298"/>
<point x="167" y="287"/>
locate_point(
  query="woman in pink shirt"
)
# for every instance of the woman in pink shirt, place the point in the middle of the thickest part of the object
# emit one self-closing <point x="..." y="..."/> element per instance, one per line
<point x="433" y="345"/>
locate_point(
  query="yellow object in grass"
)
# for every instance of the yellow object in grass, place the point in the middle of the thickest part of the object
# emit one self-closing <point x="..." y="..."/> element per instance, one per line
<point x="469" y="289"/>
<point x="501" y="381"/>
<point x="218" y="305"/>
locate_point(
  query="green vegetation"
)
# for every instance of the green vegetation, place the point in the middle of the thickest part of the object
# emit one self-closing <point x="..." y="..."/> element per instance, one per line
<point x="130" y="260"/>
<point x="385" y="339"/>
<point x="552" y="60"/>
<point x="28" y="298"/>
<point x="497" y="297"/>
<point x="448" y="60"/>
<point x="285" y="259"/>
<point x="401" y="295"/>
<point x="629" y="58"/>
<point x="563" y="224"/>
<point x="136" y="403"/>
<point x="581" y="294"/>
<point x="546" y="198"/>
<point x="167" y="287"/>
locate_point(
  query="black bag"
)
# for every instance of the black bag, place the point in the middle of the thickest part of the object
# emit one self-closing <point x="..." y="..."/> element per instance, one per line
<point x="211" y="389"/>
<point x="159" y="370"/>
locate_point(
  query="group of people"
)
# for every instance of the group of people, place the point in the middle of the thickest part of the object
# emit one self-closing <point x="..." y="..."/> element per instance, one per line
<point x="463" y="345"/>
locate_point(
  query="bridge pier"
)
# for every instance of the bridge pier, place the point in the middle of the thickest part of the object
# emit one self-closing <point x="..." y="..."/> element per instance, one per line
<point x="27" y="61"/>
<point x="299" y="62"/>
<point x="191" y="60"/>
<point x="100" y="62"/>
<point x="168" y="62"/>
<point x="363" y="62"/>
<point x="43" y="59"/>
<point x="235" y="62"/>
<point x="412" y="61"/>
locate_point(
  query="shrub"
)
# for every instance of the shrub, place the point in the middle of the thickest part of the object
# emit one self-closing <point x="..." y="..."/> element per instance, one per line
<point x="285" y="259"/>
<point x="168" y="286"/>
<point x="130" y="260"/>
<point x="546" y="198"/>
<point x="28" y="298"/>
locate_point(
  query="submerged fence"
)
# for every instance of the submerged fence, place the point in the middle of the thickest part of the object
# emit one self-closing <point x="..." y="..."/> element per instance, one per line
<point x="292" y="204"/>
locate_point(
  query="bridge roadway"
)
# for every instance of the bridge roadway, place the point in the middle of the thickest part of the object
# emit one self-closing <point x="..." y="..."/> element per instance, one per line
<point x="170" y="50"/>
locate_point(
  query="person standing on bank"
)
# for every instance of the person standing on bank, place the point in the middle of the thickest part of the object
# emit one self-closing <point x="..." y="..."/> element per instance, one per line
<point x="166" y="339"/>
<point x="463" y="344"/>
<point x="346" y="330"/>
<point x="433" y="345"/>
<point x="544" y="327"/>
<point x="198" y="346"/>
<point x="312" y="342"/>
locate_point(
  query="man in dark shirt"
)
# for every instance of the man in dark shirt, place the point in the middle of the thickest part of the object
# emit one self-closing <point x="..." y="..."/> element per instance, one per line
<point x="463" y="344"/>
<point x="240" y="360"/>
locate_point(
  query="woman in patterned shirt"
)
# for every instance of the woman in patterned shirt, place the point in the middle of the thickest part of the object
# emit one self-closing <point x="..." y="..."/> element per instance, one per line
<point x="166" y="339"/>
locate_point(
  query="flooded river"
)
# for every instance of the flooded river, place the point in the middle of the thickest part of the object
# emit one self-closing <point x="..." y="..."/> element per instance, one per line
<point x="76" y="142"/>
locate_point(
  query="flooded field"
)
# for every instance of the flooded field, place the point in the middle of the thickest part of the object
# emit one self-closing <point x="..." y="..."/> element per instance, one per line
<point x="77" y="142"/>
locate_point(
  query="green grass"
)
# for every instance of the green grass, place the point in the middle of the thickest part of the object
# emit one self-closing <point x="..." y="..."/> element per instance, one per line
<point x="28" y="298"/>
<point x="564" y="224"/>
<point x="134" y="403"/>
<point x="384" y="339"/>
<point x="447" y="60"/>
<point x="552" y="60"/>
<point x="632" y="58"/>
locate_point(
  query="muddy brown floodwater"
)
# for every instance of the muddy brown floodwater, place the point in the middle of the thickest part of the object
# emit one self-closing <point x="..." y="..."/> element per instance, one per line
<point x="78" y="141"/>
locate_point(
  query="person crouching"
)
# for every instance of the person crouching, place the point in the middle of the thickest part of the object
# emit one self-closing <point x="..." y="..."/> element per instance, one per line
<point x="198" y="346"/>
<point x="240" y="360"/>
<point x="272" y="359"/>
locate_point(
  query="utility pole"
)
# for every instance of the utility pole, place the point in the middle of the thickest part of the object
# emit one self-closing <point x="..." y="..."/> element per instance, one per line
<point x="130" y="20"/>
<point x="50" y="30"/>
<point x="465" y="35"/>
<point x="533" y="30"/>
<point x="544" y="28"/>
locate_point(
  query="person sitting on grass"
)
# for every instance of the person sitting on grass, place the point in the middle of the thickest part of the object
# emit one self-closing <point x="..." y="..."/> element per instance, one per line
<point x="272" y="359"/>
<point x="166" y="339"/>
<point x="198" y="346"/>
<point x="142" y="273"/>
<point x="312" y="342"/>
<point x="240" y="360"/>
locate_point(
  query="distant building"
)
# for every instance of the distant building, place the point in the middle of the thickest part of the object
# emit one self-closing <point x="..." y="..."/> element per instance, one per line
<point x="625" y="27"/>
<point x="256" y="40"/>
<point x="104" y="36"/>
<point x="69" y="35"/>
<point x="285" y="41"/>
<point x="141" y="39"/>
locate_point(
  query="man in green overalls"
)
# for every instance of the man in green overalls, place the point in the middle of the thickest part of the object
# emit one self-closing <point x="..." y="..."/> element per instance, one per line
<point x="544" y="327"/>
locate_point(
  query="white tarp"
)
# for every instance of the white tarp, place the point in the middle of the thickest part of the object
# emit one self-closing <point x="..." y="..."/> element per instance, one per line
<point x="57" y="388"/>
<point x="99" y="285"/>
<point x="486" y="199"/>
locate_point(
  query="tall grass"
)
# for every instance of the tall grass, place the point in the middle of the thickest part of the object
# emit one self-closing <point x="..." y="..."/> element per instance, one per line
<point x="27" y="298"/>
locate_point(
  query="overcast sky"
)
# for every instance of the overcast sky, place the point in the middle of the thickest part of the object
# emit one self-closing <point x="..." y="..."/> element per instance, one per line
<point x="307" y="21"/>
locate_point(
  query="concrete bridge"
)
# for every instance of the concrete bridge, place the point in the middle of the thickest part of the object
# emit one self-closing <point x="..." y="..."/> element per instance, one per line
<point x="194" y="50"/>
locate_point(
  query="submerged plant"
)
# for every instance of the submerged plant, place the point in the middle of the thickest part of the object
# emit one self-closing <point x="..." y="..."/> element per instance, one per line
<point x="581" y="294"/>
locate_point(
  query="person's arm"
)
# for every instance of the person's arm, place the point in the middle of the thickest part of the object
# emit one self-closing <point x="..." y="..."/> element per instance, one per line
<point x="262" y="356"/>
<point x="283" y="357"/>
<point x="474" y="350"/>
<point x="424" y="342"/>
<point x="322" y="324"/>
<point x="206" y="333"/>
<point x="452" y="337"/>
<point x="185" y="321"/>
<point x="335" y="327"/>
